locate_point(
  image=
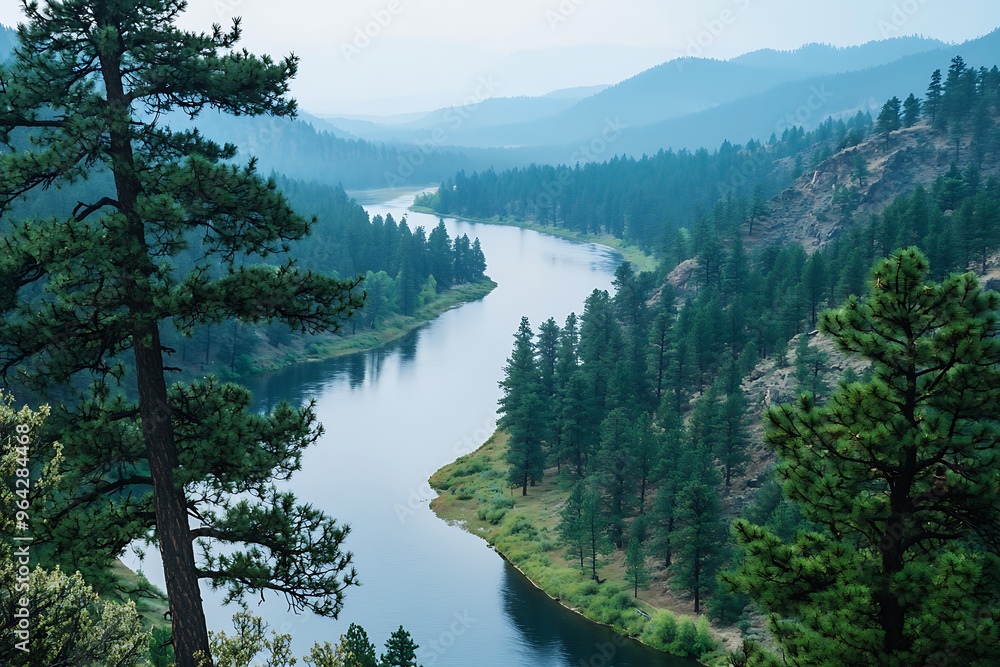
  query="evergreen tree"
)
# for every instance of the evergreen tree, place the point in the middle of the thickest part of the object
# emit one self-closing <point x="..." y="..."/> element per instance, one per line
<point x="83" y="290"/>
<point x="900" y="472"/>
<point x="861" y="171"/>
<point x="889" y="119"/>
<point x="572" y="530"/>
<point x="932" y="105"/>
<point x="576" y="433"/>
<point x="400" y="650"/>
<point x="477" y="262"/>
<point x="636" y="571"/>
<point x="616" y="470"/>
<point x="911" y="111"/>
<point x="699" y="536"/>
<point x="442" y="259"/>
<point x="660" y="343"/>
<point x="522" y="410"/>
<point x="548" y="357"/>
<point x="732" y="438"/>
<point x="593" y="528"/>
<point x="810" y="364"/>
<point x="647" y="454"/>
<point x="357" y="649"/>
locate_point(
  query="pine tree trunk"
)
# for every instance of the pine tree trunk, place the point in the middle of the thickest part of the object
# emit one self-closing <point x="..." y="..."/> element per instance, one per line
<point x="190" y="632"/>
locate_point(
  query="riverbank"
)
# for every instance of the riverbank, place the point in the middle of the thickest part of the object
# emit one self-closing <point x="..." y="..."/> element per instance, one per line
<point x="634" y="254"/>
<point x="153" y="606"/>
<point x="329" y="346"/>
<point x="524" y="530"/>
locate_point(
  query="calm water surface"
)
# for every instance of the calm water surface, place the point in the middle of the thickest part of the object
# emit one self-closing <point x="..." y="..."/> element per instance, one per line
<point x="394" y="416"/>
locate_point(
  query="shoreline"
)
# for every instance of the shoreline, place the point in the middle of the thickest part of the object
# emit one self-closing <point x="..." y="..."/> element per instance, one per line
<point x="472" y="496"/>
<point x="331" y="346"/>
<point x="634" y="254"/>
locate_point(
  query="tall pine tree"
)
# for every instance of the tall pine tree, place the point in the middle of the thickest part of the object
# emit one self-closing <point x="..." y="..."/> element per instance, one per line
<point x="901" y="474"/>
<point x="84" y="94"/>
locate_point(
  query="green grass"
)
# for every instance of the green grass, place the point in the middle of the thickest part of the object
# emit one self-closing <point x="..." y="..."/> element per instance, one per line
<point x="337" y="345"/>
<point x="634" y="254"/>
<point x="153" y="609"/>
<point x="523" y="529"/>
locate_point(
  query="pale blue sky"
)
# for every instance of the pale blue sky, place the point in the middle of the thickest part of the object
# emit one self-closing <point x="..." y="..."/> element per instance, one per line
<point x="424" y="53"/>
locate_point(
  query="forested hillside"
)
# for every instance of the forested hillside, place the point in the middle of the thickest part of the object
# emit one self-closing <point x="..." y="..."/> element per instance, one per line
<point x="648" y="434"/>
<point x="646" y="201"/>
<point x="403" y="270"/>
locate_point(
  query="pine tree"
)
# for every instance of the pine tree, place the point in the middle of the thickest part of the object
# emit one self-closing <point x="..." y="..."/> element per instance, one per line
<point x="932" y="105"/>
<point x="658" y="362"/>
<point x="441" y="257"/>
<point x="572" y="531"/>
<point x="357" y="649"/>
<point x="616" y="470"/>
<point x="636" y="571"/>
<point x="911" y="111"/>
<point x="810" y="364"/>
<point x="400" y="650"/>
<point x="83" y="291"/>
<point x="522" y="410"/>
<point x="593" y="526"/>
<point x="732" y="438"/>
<point x="900" y="472"/>
<point x="889" y="119"/>
<point x="548" y="357"/>
<point x="699" y="537"/>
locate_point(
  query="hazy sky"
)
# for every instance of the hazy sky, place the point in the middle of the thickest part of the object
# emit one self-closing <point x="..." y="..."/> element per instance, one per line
<point x="396" y="56"/>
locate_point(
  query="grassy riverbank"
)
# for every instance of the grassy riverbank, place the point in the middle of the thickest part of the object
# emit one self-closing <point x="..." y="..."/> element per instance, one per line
<point x="637" y="256"/>
<point x="347" y="341"/>
<point x="474" y="494"/>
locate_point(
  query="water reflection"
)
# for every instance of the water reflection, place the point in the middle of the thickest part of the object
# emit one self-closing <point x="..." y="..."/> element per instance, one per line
<point x="300" y="383"/>
<point x="562" y="637"/>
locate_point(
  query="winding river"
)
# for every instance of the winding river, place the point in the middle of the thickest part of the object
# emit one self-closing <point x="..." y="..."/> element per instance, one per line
<point x="395" y="415"/>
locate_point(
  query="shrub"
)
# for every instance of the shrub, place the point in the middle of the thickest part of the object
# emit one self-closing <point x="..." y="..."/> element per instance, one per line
<point x="661" y="631"/>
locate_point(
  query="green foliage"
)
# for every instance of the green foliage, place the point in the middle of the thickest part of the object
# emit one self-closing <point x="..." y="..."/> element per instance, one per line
<point x="176" y="237"/>
<point x="495" y="508"/>
<point x="900" y="474"/>
<point x="700" y="536"/>
<point x="810" y="367"/>
<point x="358" y="650"/>
<point x="68" y="622"/>
<point x="636" y="571"/>
<point x="522" y="412"/>
<point x="400" y="650"/>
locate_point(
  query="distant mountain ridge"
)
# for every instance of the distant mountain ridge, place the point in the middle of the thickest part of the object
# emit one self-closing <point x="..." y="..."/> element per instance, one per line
<point x="825" y="58"/>
<point x="693" y="103"/>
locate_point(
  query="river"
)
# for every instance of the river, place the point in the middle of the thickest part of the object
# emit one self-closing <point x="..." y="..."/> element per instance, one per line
<point x="395" y="415"/>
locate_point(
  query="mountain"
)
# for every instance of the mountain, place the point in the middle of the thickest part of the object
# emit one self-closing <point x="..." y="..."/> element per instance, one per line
<point x="464" y="124"/>
<point x="687" y="102"/>
<point x="828" y="59"/>
<point x="805" y="102"/>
